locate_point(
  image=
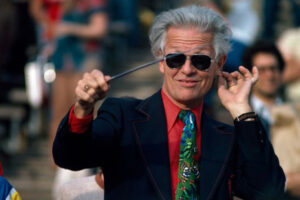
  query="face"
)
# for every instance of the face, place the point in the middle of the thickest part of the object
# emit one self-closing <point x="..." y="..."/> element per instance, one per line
<point x="269" y="75"/>
<point x="186" y="85"/>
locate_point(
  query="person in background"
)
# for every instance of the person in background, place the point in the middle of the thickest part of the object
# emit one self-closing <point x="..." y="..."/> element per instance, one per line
<point x="286" y="127"/>
<point x="7" y="191"/>
<point x="277" y="116"/>
<point x="166" y="146"/>
<point x="77" y="47"/>
<point x="46" y="13"/>
<point x="271" y="10"/>
<point x="244" y="22"/>
<point x="84" y="188"/>
<point x="289" y="45"/>
<point x="267" y="90"/>
<point x="74" y="30"/>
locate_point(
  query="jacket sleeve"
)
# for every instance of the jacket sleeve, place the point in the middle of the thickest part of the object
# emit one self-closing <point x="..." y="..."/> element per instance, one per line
<point x="258" y="173"/>
<point x="92" y="148"/>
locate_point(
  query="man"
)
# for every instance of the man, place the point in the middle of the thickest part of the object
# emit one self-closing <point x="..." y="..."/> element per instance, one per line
<point x="266" y="92"/>
<point x="166" y="147"/>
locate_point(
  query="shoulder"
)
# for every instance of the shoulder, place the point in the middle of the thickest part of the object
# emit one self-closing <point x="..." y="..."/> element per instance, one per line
<point x="130" y="105"/>
<point x="5" y="184"/>
<point x="226" y="128"/>
<point x="132" y="102"/>
<point x="7" y="190"/>
<point x="121" y="102"/>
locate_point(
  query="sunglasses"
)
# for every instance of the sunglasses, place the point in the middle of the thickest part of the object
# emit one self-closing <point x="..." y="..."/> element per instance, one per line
<point x="177" y="60"/>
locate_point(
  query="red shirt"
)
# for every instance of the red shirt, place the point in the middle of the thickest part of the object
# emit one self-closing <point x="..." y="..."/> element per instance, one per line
<point x="79" y="125"/>
<point x="174" y="127"/>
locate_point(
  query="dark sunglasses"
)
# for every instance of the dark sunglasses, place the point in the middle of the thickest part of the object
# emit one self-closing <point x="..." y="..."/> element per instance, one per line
<point x="176" y="60"/>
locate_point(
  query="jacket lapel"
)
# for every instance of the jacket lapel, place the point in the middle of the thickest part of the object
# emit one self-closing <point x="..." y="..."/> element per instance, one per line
<point x="152" y="140"/>
<point x="216" y="147"/>
<point x="151" y="136"/>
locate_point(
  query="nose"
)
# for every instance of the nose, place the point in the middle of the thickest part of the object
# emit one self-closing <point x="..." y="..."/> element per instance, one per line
<point x="188" y="67"/>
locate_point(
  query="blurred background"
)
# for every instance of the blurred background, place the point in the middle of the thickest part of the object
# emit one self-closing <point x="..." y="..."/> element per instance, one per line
<point x="44" y="47"/>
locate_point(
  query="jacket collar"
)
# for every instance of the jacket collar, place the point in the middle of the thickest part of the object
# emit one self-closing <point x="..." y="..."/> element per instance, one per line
<point x="151" y="136"/>
<point x="152" y="140"/>
<point x="216" y="149"/>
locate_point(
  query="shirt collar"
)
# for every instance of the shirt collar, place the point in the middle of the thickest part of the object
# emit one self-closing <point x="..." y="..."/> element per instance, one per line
<point x="172" y="111"/>
<point x="263" y="109"/>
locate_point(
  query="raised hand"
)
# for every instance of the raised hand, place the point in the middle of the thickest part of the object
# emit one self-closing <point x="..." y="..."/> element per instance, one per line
<point x="91" y="88"/>
<point x="234" y="90"/>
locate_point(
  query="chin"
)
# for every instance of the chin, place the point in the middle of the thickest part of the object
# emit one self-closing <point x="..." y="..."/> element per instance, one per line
<point x="190" y="101"/>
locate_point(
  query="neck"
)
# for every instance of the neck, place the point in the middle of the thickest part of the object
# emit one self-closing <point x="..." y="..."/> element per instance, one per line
<point x="267" y="99"/>
<point x="186" y="105"/>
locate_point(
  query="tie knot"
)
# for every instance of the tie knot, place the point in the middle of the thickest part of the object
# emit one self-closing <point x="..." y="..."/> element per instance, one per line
<point x="187" y="117"/>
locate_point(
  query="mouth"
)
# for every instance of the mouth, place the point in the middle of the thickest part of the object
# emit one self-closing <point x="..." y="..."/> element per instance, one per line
<point x="188" y="83"/>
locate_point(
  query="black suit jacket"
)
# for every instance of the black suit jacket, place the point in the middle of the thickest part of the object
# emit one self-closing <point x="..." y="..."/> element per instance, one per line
<point x="128" y="139"/>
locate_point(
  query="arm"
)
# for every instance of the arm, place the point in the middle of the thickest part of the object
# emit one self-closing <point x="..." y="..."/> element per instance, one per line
<point x="291" y="71"/>
<point x="77" y="151"/>
<point x="37" y="12"/>
<point x="258" y="173"/>
<point x="293" y="183"/>
<point x="96" y="28"/>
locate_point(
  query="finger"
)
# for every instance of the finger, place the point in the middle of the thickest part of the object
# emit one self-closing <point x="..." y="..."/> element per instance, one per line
<point x="237" y="75"/>
<point x="83" y="96"/>
<point x="255" y="74"/>
<point x="82" y="85"/>
<point x="221" y="81"/>
<point x="101" y="80"/>
<point x="231" y="81"/>
<point x="84" y="91"/>
<point x="89" y="81"/>
<point x="245" y="72"/>
<point x="107" y="78"/>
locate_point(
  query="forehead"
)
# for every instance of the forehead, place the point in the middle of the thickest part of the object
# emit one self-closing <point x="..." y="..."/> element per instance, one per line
<point x="186" y="38"/>
<point x="264" y="59"/>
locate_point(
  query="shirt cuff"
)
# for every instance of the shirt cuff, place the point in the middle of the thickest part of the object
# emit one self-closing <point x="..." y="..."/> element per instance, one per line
<point x="79" y="125"/>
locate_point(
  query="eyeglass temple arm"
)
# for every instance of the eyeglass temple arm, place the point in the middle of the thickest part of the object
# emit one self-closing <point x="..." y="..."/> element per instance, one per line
<point x="139" y="67"/>
<point x="145" y="65"/>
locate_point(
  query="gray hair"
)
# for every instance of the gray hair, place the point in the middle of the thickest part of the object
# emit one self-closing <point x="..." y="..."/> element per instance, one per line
<point x="202" y="18"/>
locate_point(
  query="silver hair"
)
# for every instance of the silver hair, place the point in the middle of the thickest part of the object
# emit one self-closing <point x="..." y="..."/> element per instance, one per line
<point x="199" y="17"/>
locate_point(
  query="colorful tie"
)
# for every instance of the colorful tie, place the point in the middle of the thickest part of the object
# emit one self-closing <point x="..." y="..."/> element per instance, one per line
<point x="188" y="169"/>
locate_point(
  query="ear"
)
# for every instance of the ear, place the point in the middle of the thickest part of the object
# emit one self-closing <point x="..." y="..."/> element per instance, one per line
<point x="161" y="66"/>
<point x="161" y="63"/>
<point x="221" y="62"/>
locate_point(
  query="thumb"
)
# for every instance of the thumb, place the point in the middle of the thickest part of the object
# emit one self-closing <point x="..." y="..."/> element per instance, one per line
<point x="255" y="74"/>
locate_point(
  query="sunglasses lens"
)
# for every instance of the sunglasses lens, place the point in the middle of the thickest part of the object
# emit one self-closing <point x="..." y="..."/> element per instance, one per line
<point x="175" y="60"/>
<point x="201" y="62"/>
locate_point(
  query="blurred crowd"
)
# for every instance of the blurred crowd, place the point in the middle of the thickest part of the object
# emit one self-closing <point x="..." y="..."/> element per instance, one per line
<point x="46" y="46"/>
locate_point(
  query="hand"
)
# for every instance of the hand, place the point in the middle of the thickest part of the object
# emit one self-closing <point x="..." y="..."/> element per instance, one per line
<point x="62" y="29"/>
<point x="91" y="88"/>
<point x="234" y="90"/>
<point x="293" y="183"/>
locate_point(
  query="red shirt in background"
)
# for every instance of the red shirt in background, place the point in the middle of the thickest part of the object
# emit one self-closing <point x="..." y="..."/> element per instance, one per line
<point x="1" y="171"/>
